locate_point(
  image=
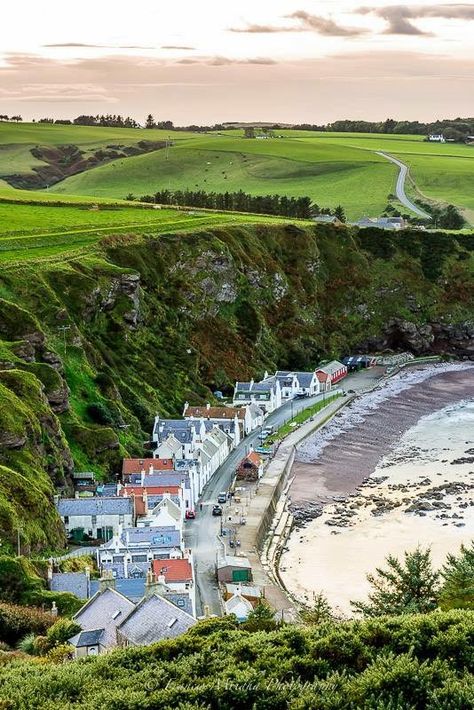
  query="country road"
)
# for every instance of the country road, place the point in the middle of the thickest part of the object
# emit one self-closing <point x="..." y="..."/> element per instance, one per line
<point x="400" y="187"/>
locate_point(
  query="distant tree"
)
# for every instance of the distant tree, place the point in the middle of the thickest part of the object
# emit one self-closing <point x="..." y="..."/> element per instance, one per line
<point x="457" y="589"/>
<point x="339" y="213"/>
<point x="450" y="218"/>
<point x="261" y="618"/>
<point x="249" y="132"/>
<point x="3" y="117"/>
<point x="17" y="119"/>
<point x="407" y="587"/>
<point x="150" y="121"/>
<point x="131" y="198"/>
<point x="319" y="612"/>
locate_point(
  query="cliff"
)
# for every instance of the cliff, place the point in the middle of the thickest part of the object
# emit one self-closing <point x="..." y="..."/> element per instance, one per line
<point x="92" y="348"/>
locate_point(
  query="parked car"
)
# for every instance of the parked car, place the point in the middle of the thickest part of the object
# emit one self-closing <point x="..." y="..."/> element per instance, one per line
<point x="222" y="497"/>
<point x="190" y="515"/>
<point x="217" y="510"/>
<point x="263" y="450"/>
<point x="301" y="395"/>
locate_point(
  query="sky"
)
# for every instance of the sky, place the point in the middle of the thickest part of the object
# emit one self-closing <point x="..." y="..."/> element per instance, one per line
<point x="211" y="61"/>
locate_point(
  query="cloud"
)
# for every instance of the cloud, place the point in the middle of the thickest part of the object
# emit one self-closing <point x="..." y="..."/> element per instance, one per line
<point x="83" y="45"/>
<point x="225" y="61"/>
<point x="307" y="23"/>
<point x="177" y="46"/>
<point x="263" y="29"/>
<point x="325" y="26"/>
<point x="399" y="16"/>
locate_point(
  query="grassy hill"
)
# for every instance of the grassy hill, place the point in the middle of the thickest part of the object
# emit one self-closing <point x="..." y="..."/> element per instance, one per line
<point x="332" y="168"/>
<point x="126" y="311"/>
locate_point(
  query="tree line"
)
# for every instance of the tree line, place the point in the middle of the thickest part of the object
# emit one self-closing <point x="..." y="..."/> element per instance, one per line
<point x="15" y="119"/>
<point x="281" y="205"/>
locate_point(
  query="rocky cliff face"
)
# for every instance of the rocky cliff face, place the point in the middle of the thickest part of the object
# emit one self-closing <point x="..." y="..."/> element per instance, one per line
<point x="107" y="340"/>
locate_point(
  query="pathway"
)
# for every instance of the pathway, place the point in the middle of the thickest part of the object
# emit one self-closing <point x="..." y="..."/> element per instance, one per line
<point x="400" y="187"/>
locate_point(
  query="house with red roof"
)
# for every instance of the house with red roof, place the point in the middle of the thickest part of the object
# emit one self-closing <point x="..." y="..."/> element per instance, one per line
<point x="178" y="575"/>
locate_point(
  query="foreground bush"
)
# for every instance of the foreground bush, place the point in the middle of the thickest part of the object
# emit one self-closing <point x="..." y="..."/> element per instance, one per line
<point x="396" y="663"/>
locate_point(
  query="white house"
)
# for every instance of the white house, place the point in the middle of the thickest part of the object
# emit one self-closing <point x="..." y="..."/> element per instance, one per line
<point x="436" y="138"/>
<point x="166" y="513"/>
<point x="308" y="383"/>
<point x="238" y="605"/>
<point x="177" y="575"/>
<point x="131" y="552"/>
<point x="97" y="517"/>
<point x="267" y="394"/>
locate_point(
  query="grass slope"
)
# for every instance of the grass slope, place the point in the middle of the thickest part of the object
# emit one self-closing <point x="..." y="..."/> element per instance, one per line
<point x="330" y="174"/>
<point x="44" y="231"/>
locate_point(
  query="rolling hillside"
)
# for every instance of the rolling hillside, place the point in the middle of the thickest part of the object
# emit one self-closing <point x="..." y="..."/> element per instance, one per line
<point x="332" y="168"/>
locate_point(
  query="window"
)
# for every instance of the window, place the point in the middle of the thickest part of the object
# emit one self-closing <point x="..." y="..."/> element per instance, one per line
<point x="121" y="519"/>
<point x="180" y="602"/>
<point x="66" y="519"/>
<point x="93" y="520"/>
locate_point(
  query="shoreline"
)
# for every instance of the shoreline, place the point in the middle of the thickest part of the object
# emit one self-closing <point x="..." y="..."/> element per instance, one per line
<point x="399" y="498"/>
<point x="334" y="462"/>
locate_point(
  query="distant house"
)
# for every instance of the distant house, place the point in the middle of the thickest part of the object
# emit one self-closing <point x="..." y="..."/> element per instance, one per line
<point x="393" y="223"/>
<point x="153" y="619"/>
<point x="359" y="362"/>
<point x="436" y="138"/>
<point x="178" y="576"/>
<point x="250" y="468"/>
<point x="240" y="606"/>
<point x="164" y="513"/>
<point x="219" y="414"/>
<point x="335" y="371"/>
<point x="328" y="219"/>
<point x="97" y="517"/>
<point x="149" y="465"/>
<point x="324" y="381"/>
<point x="267" y="394"/>
<point x="84" y="481"/>
<point x="251" y="592"/>
<point x="99" y="618"/>
<point x="77" y="583"/>
<point x="131" y="552"/>
<point x="109" y="619"/>
<point x="288" y="383"/>
<point x="234" y="569"/>
<point x="298" y="383"/>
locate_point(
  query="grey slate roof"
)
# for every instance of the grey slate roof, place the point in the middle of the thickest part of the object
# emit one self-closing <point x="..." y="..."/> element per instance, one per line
<point x="74" y="582"/>
<point x="154" y="619"/>
<point x="304" y="378"/>
<point x="99" y="613"/>
<point x="181" y="429"/>
<point x="87" y="638"/>
<point x="167" y="478"/>
<point x="163" y="536"/>
<point x="133" y="589"/>
<point x="95" y="506"/>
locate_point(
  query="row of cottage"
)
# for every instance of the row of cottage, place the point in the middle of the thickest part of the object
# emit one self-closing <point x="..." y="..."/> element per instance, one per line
<point x="147" y="587"/>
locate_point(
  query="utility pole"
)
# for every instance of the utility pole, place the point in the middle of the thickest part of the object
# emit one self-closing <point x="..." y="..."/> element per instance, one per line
<point x="62" y="329"/>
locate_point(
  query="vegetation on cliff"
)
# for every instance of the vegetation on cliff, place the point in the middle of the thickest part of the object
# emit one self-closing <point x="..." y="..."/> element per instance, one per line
<point x="92" y="347"/>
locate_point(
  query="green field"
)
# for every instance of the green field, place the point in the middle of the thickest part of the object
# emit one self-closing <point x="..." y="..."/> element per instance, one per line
<point x="332" y="168"/>
<point x="42" y="231"/>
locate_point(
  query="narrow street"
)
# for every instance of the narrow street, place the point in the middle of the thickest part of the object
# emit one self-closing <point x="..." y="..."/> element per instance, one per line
<point x="202" y="534"/>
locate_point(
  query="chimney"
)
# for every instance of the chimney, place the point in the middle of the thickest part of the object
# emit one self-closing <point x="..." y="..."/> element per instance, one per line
<point x="145" y="500"/>
<point x="252" y="382"/>
<point x="186" y="406"/>
<point x="150" y="469"/>
<point x="54" y="609"/>
<point x="142" y="477"/>
<point x="208" y="405"/>
<point x="119" y="488"/>
<point x="50" y="571"/>
<point x="153" y="585"/>
<point x="107" y="581"/>
<point x="207" y="611"/>
<point x="265" y="376"/>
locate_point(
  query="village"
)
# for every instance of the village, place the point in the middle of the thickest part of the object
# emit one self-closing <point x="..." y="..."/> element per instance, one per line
<point x="144" y="585"/>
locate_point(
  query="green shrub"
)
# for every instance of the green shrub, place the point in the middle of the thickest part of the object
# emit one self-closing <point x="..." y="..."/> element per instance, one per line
<point x="18" y="621"/>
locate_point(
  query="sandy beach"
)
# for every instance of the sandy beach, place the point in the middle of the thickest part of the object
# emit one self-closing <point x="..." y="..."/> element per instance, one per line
<point x="393" y="470"/>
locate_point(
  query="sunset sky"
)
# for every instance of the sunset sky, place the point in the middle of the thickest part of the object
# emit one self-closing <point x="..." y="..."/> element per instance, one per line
<point x="204" y="62"/>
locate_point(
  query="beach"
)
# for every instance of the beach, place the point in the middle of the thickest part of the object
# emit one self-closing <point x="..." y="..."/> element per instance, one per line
<point x="393" y="470"/>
